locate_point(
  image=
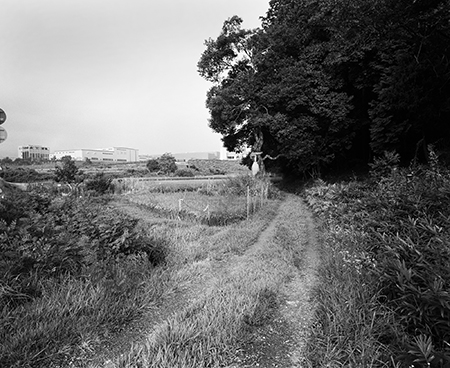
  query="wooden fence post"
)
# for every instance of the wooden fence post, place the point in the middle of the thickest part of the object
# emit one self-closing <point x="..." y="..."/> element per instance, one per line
<point x="248" y="202"/>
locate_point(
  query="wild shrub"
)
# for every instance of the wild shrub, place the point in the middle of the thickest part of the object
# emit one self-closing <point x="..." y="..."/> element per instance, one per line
<point x="184" y="173"/>
<point x="153" y="165"/>
<point x="412" y="250"/>
<point x="396" y="230"/>
<point x="100" y="184"/>
<point x="167" y="163"/>
<point x="17" y="204"/>
<point x="68" y="238"/>
<point x="68" y="171"/>
<point x="70" y="269"/>
<point x="384" y="165"/>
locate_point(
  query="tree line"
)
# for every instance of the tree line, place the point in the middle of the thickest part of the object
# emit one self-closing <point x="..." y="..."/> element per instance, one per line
<point x="332" y="83"/>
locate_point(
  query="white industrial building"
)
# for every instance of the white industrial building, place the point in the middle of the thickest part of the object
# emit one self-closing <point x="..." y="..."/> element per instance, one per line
<point x="113" y="154"/>
<point x="34" y="153"/>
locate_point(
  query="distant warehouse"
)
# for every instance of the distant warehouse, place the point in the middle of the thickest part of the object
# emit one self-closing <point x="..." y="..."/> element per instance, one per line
<point x="113" y="154"/>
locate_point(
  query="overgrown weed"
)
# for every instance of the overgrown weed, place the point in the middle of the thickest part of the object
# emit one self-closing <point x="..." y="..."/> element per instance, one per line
<point x="69" y="269"/>
<point x="385" y="286"/>
<point x="219" y="204"/>
<point x="76" y="272"/>
<point x="73" y="315"/>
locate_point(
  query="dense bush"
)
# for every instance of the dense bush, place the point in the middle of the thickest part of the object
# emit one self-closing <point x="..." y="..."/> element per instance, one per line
<point x="69" y="236"/>
<point x="153" y="165"/>
<point x="69" y="268"/>
<point x="24" y="175"/>
<point x="68" y="171"/>
<point x="184" y="173"/>
<point x="396" y="227"/>
<point x="100" y="183"/>
<point x="17" y="204"/>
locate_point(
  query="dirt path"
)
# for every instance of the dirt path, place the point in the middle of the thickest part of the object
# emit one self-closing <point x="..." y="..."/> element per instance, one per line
<point x="280" y="343"/>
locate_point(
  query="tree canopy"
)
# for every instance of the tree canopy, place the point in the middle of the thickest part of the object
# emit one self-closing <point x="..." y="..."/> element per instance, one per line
<point x="327" y="82"/>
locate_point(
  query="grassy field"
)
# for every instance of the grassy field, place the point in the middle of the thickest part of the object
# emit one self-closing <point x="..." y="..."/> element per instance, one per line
<point x="75" y="272"/>
<point x="139" y="169"/>
<point x="79" y="275"/>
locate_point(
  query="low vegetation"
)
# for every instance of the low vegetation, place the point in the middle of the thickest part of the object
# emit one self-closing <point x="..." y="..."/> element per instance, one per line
<point x="69" y="170"/>
<point x="23" y="175"/>
<point x="213" y="203"/>
<point x="72" y="271"/>
<point x="384" y="297"/>
<point x="75" y="271"/>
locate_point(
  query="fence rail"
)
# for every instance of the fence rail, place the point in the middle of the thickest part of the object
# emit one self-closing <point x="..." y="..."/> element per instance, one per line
<point x="175" y="178"/>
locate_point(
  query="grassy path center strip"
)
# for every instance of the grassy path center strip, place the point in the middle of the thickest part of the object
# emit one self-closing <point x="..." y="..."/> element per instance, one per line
<point x="254" y="289"/>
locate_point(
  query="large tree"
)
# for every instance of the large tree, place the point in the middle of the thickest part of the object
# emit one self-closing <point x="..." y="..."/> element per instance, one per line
<point x="329" y="81"/>
<point x="270" y="97"/>
<point x="236" y="108"/>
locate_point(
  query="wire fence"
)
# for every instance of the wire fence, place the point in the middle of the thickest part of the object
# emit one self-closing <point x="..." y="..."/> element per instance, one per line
<point x="255" y="198"/>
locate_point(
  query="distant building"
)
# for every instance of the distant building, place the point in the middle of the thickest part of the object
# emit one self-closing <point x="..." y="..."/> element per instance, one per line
<point x="113" y="154"/>
<point x="234" y="156"/>
<point x="34" y="153"/>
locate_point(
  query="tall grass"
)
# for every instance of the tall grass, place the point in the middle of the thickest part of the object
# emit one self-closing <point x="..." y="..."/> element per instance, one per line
<point x="75" y="272"/>
<point x="384" y="292"/>
<point x="216" y="203"/>
<point x="71" y="272"/>
<point x="73" y="316"/>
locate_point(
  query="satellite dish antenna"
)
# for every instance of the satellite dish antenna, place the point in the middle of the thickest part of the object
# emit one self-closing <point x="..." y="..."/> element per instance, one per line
<point x="2" y="116"/>
<point x="3" y="134"/>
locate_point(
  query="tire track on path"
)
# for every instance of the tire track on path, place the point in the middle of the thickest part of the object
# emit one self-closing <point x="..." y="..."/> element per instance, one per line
<point x="281" y="342"/>
<point x="280" y="266"/>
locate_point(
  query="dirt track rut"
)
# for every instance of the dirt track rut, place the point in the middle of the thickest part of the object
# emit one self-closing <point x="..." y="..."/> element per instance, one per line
<point x="281" y="342"/>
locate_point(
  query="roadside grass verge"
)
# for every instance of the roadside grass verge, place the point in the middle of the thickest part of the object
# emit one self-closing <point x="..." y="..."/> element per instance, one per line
<point x="350" y="325"/>
<point x="384" y="287"/>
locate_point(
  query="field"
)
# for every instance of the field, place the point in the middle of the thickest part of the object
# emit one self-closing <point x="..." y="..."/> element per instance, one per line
<point x="78" y="272"/>
<point x="138" y="169"/>
<point x="189" y="275"/>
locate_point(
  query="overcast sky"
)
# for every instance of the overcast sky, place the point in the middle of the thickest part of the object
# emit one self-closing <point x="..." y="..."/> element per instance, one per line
<point x="104" y="73"/>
